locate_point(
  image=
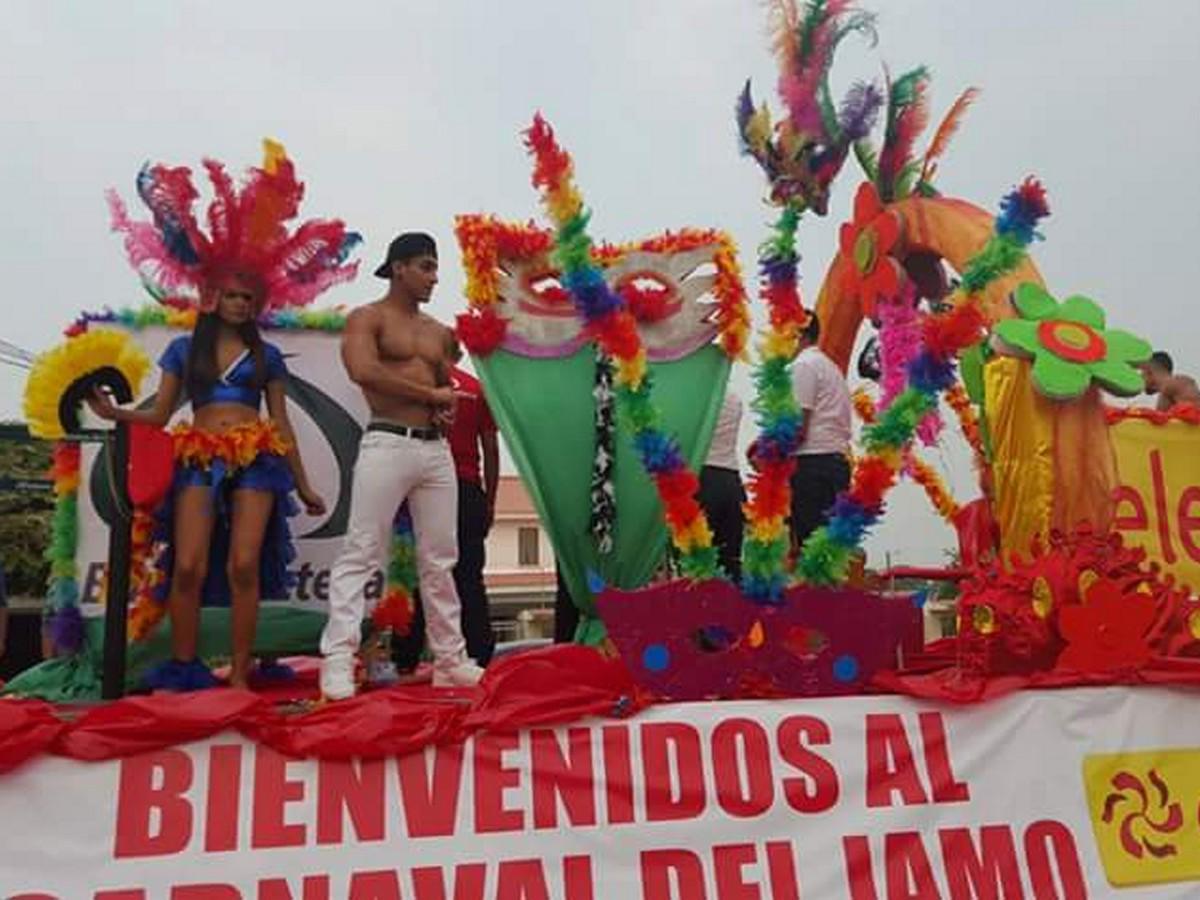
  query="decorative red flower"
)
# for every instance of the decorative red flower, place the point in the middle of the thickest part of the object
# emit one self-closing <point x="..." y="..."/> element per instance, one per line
<point x="1107" y="632"/>
<point x="871" y="274"/>
<point x="481" y="331"/>
<point x="395" y="611"/>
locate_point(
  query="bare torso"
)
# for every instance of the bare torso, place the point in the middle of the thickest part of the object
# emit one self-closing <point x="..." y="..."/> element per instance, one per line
<point x="412" y="346"/>
<point x="1178" y="390"/>
<point x="223" y="416"/>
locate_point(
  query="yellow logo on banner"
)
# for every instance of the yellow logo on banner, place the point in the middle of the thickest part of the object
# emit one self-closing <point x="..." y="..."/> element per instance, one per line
<point x="1144" y="810"/>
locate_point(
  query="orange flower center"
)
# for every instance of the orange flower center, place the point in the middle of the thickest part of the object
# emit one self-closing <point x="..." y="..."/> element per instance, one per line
<point x="1072" y="341"/>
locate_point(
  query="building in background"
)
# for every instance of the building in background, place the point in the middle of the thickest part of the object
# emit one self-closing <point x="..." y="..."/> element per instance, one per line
<point x="519" y="573"/>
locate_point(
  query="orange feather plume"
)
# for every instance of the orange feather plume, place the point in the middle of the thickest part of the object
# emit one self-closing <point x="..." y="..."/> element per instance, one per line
<point x="946" y="131"/>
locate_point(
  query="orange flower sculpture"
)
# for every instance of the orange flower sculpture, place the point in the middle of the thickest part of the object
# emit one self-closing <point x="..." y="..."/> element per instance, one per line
<point x="867" y="242"/>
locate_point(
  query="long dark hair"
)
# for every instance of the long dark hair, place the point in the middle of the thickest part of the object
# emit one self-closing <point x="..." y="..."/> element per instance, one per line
<point x="202" y="371"/>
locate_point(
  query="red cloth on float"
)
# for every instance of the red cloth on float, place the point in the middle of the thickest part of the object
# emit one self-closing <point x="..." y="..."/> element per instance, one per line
<point x="536" y="688"/>
<point x="151" y="465"/>
<point x="27" y="728"/>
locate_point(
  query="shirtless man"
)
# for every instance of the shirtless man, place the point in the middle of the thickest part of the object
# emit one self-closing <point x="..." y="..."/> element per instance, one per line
<point x="401" y="359"/>
<point x="1172" y="389"/>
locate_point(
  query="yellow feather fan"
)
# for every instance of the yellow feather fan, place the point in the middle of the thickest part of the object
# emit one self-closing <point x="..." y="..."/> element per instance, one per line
<point x="62" y="377"/>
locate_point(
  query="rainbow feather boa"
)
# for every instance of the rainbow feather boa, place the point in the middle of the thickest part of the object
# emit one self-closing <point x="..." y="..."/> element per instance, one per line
<point x="610" y="323"/>
<point x="931" y="371"/>
<point x="769" y="492"/>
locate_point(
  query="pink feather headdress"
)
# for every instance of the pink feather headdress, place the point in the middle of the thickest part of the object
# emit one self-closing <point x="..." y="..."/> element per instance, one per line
<point x="248" y="234"/>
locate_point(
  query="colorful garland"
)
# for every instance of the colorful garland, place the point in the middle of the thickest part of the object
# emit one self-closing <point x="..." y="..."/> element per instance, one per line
<point x="148" y="316"/>
<point x="486" y="241"/>
<point x="922" y="473"/>
<point x="864" y="406"/>
<point x="603" y="492"/>
<point x="826" y="553"/>
<point x="145" y="576"/>
<point x="63" y="617"/>
<point x="394" y="612"/>
<point x="768" y="490"/>
<point x="899" y="342"/>
<point x="609" y="321"/>
<point x="968" y="421"/>
<point x="927" y="477"/>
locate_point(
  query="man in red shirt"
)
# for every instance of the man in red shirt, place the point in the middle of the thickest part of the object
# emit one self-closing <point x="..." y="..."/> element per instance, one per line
<point x="472" y="439"/>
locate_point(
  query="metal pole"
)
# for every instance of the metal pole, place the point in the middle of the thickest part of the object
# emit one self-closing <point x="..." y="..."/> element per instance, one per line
<point x="120" y="542"/>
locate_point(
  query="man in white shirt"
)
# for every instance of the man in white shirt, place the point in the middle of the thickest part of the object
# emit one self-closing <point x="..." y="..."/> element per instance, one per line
<point x="721" y="494"/>
<point x="822" y="460"/>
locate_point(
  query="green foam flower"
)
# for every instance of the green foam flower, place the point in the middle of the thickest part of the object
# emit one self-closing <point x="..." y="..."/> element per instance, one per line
<point x="1070" y="346"/>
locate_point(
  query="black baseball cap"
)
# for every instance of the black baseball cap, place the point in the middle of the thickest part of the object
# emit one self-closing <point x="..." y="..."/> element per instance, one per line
<point x="405" y="247"/>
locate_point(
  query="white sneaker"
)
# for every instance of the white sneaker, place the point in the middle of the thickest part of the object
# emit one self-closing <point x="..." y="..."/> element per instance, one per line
<point x="463" y="674"/>
<point x="337" y="677"/>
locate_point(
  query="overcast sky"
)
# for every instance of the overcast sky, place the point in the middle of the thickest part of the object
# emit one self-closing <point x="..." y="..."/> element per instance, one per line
<point x="401" y="114"/>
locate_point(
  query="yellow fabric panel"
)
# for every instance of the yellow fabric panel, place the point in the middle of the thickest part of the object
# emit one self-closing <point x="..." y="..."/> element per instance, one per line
<point x="1023" y="454"/>
<point x="1158" y="500"/>
<point x="1085" y="465"/>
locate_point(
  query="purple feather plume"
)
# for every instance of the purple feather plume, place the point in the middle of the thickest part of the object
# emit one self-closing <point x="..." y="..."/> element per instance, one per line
<point x="859" y="110"/>
<point x="744" y="113"/>
<point x="66" y="629"/>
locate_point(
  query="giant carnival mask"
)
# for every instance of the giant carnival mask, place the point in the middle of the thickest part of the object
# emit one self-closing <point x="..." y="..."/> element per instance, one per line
<point x="553" y="396"/>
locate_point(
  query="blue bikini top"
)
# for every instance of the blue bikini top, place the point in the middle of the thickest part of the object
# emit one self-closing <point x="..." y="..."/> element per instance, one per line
<point x="236" y="384"/>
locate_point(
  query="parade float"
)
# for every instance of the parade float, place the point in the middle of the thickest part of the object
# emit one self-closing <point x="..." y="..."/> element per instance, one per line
<point x="785" y="735"/>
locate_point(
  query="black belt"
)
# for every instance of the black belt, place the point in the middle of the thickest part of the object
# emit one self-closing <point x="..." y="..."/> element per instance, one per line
<point x="420" y="434"/>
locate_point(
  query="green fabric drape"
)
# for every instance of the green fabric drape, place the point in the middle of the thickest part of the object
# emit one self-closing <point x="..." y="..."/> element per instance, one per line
<point x="545" y="409"/>
<point x="282" y="631"/>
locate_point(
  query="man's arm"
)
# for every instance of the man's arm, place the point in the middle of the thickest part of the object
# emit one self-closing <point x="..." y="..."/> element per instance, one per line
<point x="1166" y="396"/>
<point x="360" y="356"/>
<point x="490" y="445"/>
<point x="802" y="431"/>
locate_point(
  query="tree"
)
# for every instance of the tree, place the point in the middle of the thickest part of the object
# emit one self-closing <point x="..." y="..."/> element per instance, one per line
<point x="24" y="515"/>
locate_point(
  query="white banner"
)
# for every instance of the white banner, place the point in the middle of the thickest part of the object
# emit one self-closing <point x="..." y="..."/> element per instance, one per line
<point x="327" y="412"/>
<point x="1059" y="794"/>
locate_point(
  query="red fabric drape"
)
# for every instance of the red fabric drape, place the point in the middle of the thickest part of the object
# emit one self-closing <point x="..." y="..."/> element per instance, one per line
<point x="540" y="687"/>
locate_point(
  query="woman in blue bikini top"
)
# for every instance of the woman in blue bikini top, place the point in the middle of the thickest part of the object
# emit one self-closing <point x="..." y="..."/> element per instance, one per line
<point x="224" y="527"/>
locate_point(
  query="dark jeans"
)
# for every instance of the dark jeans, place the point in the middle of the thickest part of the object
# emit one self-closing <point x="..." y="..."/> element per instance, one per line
<point x="817" y="481"/>
<point x="468" y="580"/>
<point x="722" y="496"/>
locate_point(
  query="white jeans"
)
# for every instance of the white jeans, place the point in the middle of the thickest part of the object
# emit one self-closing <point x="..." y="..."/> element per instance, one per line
<point x="391" y="469"/>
